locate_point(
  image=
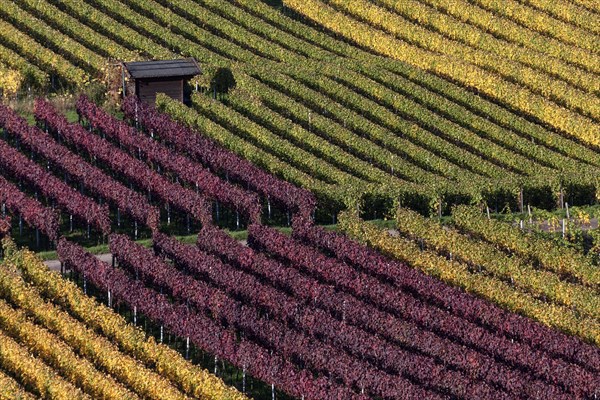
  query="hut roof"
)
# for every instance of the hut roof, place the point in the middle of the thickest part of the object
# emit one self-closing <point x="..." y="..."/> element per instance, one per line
<point x="186" y="67"/>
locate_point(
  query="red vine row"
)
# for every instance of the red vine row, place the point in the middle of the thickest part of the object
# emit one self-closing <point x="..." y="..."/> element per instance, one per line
<point x="218" y="159"/>
<point x="122" y="163"/>
<point x="450" y="298"/>
<point x="22" y="168"/>
<point x="354" y="312"/>
<point x="189" y="171"/>
<point x="202" y="331"/>
<point x="101" y="184"/>
<point x="32" y="211"/>
<point x="306" y="350"/>
<point x="306" y="317"/>
<point x="571" y="377"/>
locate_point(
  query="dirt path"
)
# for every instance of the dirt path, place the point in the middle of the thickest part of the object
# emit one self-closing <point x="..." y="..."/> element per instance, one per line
<point x="54" y="265"/>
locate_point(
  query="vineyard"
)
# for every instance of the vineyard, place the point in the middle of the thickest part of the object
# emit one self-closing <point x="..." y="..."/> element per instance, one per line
<point x="422" y="112"/>
<point x="347" y="124"/>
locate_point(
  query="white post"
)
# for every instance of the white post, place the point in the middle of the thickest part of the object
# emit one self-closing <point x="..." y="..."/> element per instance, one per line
<point x="187" y="348"/>
<point x="269" y="206"/>
<point x="244" y="379"/>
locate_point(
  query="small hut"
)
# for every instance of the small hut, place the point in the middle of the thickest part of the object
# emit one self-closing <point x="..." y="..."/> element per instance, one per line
<point x="164" y="76"/>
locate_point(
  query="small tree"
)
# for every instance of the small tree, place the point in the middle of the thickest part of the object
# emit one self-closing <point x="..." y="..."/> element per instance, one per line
<point x="222" y="81"/>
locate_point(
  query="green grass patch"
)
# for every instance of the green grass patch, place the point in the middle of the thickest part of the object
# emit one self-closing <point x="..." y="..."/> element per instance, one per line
<point x="187" y="239"/>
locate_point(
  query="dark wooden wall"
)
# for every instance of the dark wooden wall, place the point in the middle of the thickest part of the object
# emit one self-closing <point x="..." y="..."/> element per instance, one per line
<point x="147" y="90"/>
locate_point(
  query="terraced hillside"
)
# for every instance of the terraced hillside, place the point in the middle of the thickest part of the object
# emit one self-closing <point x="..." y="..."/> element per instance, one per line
<point x="336" y="110"/>
<point x="344" y="122"/>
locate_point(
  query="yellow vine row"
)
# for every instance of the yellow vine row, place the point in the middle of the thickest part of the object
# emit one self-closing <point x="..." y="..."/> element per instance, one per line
<point x="469" y="75"/>
<point x="558" y="259"/>
<point x="570" y="12"/>
<point x="42" y="56"/>
<point x="544" y="23"/>
<point x="89" y="344"/>
<point x="11" y="390"/>
<point x="540" y="283"/>
<point x="34" y="374"/>
<point x="85" y="57"/>
<point x="121" y="33"/>
<point x="14" y="61"/>
<point x="511" y="31"/>
<point x="193" y="380"/>
<point x="49" y="348"/>
<point x="73" y="26"/>
<point x="10" y="81"/>
<point x="480" y="40"/>
<point x="531" y="79"/>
